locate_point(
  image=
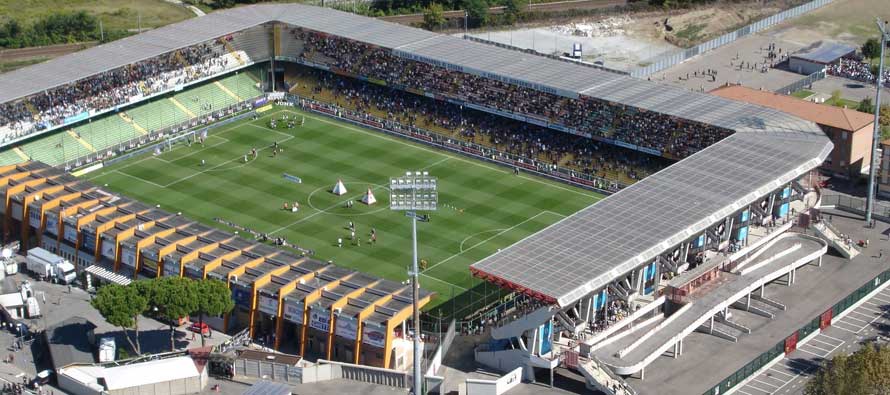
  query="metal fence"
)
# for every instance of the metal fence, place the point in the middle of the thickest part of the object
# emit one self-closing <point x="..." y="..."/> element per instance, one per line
<point x="129" y="148"/>
<point x="268" y="370"/>
<point x="665" y="61"/>
<point x="803" y="83"/>
<point x="856" y="205"/>
<point x="488" y="154"/>
<point x="788" y="344"/>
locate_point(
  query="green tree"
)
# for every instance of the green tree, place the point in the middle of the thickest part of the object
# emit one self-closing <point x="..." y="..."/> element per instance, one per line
<point x="513" y="11"/>
<point x="175" y="298"/>
<point x="434" y="17"/>
<point x="477" y="11"/>
<point x="866" y="106"/>
<point x="214" y="299"/>
<point x="121" y="306"/>
<point x="865" y="372"/>
<point x="872" y="48"/>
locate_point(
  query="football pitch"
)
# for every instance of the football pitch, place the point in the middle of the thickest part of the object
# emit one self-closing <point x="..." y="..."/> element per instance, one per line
<point x="482" y="207"/>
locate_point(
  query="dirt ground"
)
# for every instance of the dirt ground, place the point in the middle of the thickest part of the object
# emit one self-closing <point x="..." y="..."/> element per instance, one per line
<point x="851" y="21"/>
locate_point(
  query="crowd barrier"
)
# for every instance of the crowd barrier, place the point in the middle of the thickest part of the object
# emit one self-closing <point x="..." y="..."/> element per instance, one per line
<point x="789" y="343"/>
<point x="803" y="83"/>
<point x="663" y="62"/>
<point x="140" y="145"/>
<point x="855" y="205"/>
<point x="491" y="155"/>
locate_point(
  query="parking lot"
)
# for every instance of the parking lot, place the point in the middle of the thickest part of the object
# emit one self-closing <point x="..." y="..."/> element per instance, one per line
<point x="788" y="376"/>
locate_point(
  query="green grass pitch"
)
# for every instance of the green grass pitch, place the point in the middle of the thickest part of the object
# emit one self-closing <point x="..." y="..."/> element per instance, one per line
<point x="482" y="207"/>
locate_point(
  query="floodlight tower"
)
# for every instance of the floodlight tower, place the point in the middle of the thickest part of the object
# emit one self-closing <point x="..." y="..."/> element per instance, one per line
<point x="869" y="204"/>
<point x="414" y="192"/>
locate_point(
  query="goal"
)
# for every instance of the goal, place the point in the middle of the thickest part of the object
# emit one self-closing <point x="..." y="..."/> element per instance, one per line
<point x="185" y="138"/>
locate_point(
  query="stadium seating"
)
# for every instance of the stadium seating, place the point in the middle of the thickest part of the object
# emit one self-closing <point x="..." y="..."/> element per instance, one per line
<point x="647" y="130"/>
<point x="115" y="129"/>
<point x="545" y="145"/>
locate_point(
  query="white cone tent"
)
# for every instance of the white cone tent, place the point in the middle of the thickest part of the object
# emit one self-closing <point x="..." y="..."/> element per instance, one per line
<point x="339" y="189"/>
<point x="369" y="198"/>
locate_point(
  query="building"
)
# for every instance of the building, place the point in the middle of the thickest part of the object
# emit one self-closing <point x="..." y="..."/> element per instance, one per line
<point x="284" y="300"/>
<point x="849" y="130"/>
<point x="819" y="55"/>
<point x="179" y="375"/>
<point x="71" y="342"/>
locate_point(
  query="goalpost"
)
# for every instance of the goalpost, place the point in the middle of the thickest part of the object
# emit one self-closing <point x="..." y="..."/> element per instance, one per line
<point x="185" y="138"/>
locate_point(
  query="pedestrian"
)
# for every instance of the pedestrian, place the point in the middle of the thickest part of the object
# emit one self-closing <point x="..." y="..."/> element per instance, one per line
<point x="69" y="288"/>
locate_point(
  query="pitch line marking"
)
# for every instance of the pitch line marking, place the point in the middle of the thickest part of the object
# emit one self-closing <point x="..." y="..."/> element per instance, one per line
<point x="138" y="178"/>
<point x="222" y="130"/>
<point x="443" y="281"/>
<point x="439" y="152"/>
<point x="478" y="233"/>
<point x="322" y="211"/>
<point x="217" y="167"/>
<point x="325" y="210"/>
<point x="488" y="239"/>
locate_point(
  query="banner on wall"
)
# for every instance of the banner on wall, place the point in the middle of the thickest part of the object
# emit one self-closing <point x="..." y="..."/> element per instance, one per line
<point x="320" y="319"/>
<point x="347" y="327"/>
<point x="374" y="335"/>
<point x="108" y="248"/>
<point x="267" y="305"/>
<point x="293" y="312"/>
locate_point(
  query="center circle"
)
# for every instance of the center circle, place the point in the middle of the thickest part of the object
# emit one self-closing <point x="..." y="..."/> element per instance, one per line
<point x="328" y="208"/>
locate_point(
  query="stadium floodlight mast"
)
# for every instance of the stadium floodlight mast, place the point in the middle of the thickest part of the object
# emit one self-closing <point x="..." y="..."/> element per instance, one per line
<point x="413" y="192"/>
<point x="870" y="198"/>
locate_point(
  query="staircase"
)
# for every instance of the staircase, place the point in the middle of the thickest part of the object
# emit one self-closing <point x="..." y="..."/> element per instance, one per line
<point x="599" y="378"/>
<point x="834" y="238"/>
<point x="232" y="51"/>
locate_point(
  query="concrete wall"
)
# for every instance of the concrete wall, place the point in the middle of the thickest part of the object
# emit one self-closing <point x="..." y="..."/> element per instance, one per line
<point x="75" y="387"/>
<point x="494" y="387"/>
<point x="803" y="66"/>
<point x="482" y="387"/>
<point x="174" y="387"/>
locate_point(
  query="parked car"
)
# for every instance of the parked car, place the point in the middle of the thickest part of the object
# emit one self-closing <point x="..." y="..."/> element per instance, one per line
<point x="200" y="328"/>
<point x="42" y="378"/>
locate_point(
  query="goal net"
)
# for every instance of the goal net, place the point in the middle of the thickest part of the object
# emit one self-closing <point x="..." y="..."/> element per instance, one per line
<point x="186" y="138"/>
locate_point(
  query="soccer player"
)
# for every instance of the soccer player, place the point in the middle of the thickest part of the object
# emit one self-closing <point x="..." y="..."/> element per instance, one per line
<point x="202" y="162"/>
<point x="340" y="242"/>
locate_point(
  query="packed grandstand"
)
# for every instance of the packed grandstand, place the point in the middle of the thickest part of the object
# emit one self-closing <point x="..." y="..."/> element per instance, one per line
<point x="699" y="162"/>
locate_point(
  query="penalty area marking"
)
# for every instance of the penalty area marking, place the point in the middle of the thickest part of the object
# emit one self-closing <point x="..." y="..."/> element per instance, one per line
<point x="492" y="237"/>
<point x="444" y="153"/>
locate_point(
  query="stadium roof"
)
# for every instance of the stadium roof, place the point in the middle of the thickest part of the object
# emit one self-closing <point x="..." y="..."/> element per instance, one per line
<point x="590" y="248"/>
<point x="824" y="52"/>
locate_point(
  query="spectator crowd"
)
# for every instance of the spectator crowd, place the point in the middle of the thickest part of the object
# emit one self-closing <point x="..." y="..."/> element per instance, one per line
<point x="587" y="115"/>
<point x="856" y="70"/>
<point x="506" y="135"/>
<point x="112" y="88"/>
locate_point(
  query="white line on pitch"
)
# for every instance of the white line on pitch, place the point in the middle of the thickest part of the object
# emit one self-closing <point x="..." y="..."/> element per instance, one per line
<point x="442" y="281"/>
<point x="440" y="152"/>
<point x="486" y="240"/>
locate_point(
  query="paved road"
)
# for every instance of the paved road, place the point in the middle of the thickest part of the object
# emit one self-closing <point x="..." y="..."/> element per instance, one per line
<point x="789" y="375"/>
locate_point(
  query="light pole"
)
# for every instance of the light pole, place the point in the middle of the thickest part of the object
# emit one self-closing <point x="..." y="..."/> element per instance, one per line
<point x="870" y="198"/>
<point x="413" y="192"/>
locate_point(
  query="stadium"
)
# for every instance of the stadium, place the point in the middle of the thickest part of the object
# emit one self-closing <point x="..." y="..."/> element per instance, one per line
<point x="577" y="205"/>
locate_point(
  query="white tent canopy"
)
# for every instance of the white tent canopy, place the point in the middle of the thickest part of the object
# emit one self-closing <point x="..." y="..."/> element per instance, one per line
<point x="339" y="189"/>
